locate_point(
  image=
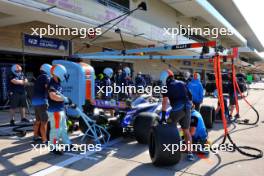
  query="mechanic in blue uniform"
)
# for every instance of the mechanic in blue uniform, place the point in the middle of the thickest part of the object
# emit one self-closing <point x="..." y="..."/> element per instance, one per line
<point x="187" y="77"/>
<point x="198" y="129"/>
<point x="40" y="103"/>
<point x="56" y="100"/>
<point x="139" y="80"/>
<point x="120" y="77"/>
<point x="196" y="88"/>
<point x="17" y="93"/>
<point x="128" y="81"/>
<point x="108" y="74"/>
<point x="106" y="81"/>
<point x="120" y="81"/>
<point x="180" y="101"/>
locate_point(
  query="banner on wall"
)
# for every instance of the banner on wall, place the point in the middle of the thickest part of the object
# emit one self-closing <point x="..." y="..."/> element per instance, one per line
<point x="44" y="42"/>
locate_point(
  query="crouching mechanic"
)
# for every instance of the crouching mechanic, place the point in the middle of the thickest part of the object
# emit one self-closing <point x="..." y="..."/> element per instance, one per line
<point x="198" y="129"/>
<point x="57" y="117"/>
<point x="179" y="98"/>
<point x="40" y="103"/>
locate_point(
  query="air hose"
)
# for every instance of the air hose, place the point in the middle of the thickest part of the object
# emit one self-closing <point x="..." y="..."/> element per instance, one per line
<point x="236" y="87"/>
<point x="219" y="86"/>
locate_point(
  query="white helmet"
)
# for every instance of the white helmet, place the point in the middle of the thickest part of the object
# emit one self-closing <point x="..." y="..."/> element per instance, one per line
<point x="186" y="75"/>
<point x="59" y="71"/>
<point x="16" y="69"/>
<point x="108" y="72"/>
<point x="46" y="68"/>
<point x="127" y="71"/>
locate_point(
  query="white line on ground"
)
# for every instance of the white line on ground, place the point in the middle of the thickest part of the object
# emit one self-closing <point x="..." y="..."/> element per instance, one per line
<point x="74" y="158"/>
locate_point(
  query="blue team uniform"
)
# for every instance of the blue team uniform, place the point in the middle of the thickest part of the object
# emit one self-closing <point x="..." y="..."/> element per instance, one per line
<point x="58" y="125"/>
<point x="178" y="95"/>
<point x="40" y="96"/>
<point x="197" y="121"/>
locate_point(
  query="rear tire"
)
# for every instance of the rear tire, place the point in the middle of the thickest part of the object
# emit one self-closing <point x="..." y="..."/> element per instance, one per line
<point x="208" y="114"/>
<point x="160" y="136"/>
<point x="142" y="125"/>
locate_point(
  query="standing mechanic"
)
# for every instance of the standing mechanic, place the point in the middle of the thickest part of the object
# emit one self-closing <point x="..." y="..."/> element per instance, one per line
<point x="17" y="93"/>
<point x="196" y="88"/>
<point x="40" y="103"/>
<point x="58" y="126"/>
<point x="128" y="81"/>
<point x="180" y="101"/>
<point x="232" y="96"/>
<point x="108" y="74"/>
<point x="120" y="81"/>
<point x="187" y="77"/>
<point x="120" y="77"/>
<point x="106" y="82"/>
<point x="140" y="81"/>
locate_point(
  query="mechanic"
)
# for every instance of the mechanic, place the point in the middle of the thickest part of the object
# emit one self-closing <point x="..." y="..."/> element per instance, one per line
<point x="232" y="98"/>
<point x="128" y="80"/>
<point x="139" y="80"/>
<point x="106" y="81"/>
<point x="17" y="93"/>
<point x="187" y="77"/>
<point x="180" y="101"/>
<point x="108" y="74"/>
<point x="120" y="77"/>
<point x="198" y="129"/>
<point x="40" y="103"/>
<point x="98" y="81"/>
<point x="196" y="88"/>
<point x="120" y="80"/>
<point x="56" y="100"/>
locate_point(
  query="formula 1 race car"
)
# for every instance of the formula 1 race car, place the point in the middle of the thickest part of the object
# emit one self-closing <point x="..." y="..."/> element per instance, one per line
<point x="137" y="118"/>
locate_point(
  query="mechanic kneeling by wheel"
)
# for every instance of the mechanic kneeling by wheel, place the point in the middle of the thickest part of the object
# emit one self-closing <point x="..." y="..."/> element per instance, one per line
<point x="180" y="101"/>
<point x="198" y="129"/>
<point x="57" y="116"/>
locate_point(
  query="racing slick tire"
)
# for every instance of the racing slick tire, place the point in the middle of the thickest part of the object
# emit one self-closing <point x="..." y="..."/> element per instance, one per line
<point x="208" y="114"/>
<point x="161" y="136"/>
<point x="142" y="125"/>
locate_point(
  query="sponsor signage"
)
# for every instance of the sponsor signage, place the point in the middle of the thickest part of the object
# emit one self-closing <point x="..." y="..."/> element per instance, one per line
<point x="44" y="42"/>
